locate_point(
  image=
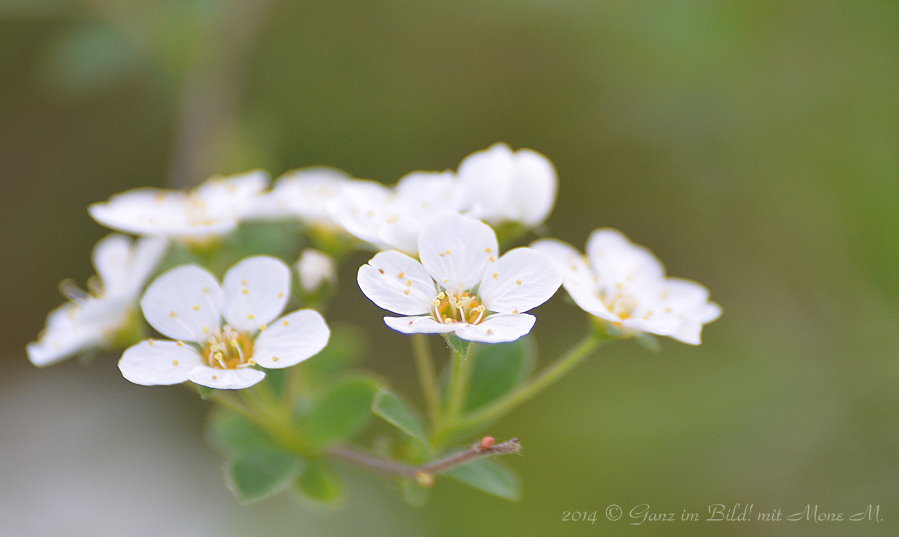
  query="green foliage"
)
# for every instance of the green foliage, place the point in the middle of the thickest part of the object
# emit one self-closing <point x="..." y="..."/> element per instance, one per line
<point x="319" y="486"/>
<point x="339" y="414"/>
<point x="234" y="435"/>
<point x="498" y="369"/>
<point x="394" y="410"/>
<point x="260" y="473"/>
<point x="488" y="475"/>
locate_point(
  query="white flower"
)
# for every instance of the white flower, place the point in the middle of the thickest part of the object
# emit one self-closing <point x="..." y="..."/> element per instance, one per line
<point x="212" y="209"/>
<point x="305" y="194"/>
<point x="500" y="185"/>
<point x="187" y="304"/>
<point x="391" y="217"/>
<point x="460" y="285"/>
<point x="314" y="268"/>
<point x="625" y="284"/>
<point x="94" y="319"/>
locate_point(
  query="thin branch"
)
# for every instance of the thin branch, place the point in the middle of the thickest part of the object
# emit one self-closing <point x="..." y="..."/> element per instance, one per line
<point x="424" y="474"/>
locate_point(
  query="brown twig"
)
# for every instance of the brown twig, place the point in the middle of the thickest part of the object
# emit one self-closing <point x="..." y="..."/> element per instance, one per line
<point x="425" y="473"/>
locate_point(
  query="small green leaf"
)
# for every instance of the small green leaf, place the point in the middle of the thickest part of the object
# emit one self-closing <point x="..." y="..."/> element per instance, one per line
<point x="319" y="485"/>
<point x="498" y="368"/>
<point x="488" y="475"/>
<point x="340" y="413"/>
<point x="414" y="494"/>
<point x="398" y="413"/>
<point x="234" y="435"/>
<point x="262" y="473"/>
<point x="204" y="391"/>
<point x="457" y="344"/>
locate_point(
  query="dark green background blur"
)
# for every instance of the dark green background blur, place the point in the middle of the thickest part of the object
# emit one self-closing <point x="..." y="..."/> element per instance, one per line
<point x="753" y="145"/>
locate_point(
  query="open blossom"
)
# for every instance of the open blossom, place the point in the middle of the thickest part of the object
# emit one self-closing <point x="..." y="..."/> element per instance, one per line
<point x="212" y="209"/>
<point x="94" y="319"/>
<point x="392" y="216"/>
<point x="305" y="194"/>
<point x="499" y="185"/>
<point x="461" y="284"/>
<point x="221" y="331"/>
<point x="625" y="284"/>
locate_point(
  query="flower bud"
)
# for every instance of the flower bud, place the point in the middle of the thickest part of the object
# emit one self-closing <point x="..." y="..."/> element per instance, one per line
<point x="315" y="268"/>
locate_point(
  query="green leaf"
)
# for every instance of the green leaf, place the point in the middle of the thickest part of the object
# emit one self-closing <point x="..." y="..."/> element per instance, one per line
<point x="262" y="473"/>
<point x="319" y="485"/>
<point x="391" y="408"/>
<point x="340" y="413"/>
<point x="488" y="475"/>
<point x="498" y="368"/>
<point x="414" y="494"/>
<point x="234" y="435"/>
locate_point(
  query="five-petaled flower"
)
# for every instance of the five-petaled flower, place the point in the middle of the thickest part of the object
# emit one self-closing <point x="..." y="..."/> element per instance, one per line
<point x="222" y="331"/>
<point x="461" y="284"/>
<point x="212" y="209"/>
<point x="625" y="284"/>
<point x="96" y="317"/>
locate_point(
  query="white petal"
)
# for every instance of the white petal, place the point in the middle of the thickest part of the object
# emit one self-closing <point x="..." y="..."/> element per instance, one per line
<point x="124" y="266"/>
<point x="316" y="188"/>
<point x="485" y="179"/>
<point x="146" y="254"/>
<point x="400" y="233"/>
<point x="420" y="325"/>
<point x="112" y="259"/>
<point x="396" y="282"/>
<point x="498" y="328"/>
<point x="227" y="197"/>
<point x="150" y="211"/>
<point x="520" y="280"/>
<point x="157" y="362"/>
<point x="226" y="379"/>
<point x="255" y="292"/>
<point x="532" y="192"/>
<point x="577" y="276"/>
<point x="291" y="339"/>
<point x="456" y="251"/>
<point x="616" y="260"/>
<point x="184" y="303"/>
<point x="63" y="336"/>
<point x="362" y="207"/>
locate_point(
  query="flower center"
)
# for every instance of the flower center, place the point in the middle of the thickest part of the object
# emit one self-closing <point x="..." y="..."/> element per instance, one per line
<point x="620" y="304"/>
<point x="228" y="349"/>
<point x="462" y="308"/>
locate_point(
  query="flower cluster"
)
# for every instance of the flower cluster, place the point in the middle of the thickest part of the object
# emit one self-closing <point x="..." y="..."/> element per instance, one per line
<point x="442" y="265"/>
<point x="440" y="269"/>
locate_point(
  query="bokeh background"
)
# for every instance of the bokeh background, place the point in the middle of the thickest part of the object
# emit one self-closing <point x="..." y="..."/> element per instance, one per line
<point x="752" y="144"/>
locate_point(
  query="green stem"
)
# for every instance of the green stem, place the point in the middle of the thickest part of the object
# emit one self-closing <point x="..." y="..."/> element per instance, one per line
<point x="427" y="376"/>
<point x="458" y="387"/>
<point x="546" y="378"/>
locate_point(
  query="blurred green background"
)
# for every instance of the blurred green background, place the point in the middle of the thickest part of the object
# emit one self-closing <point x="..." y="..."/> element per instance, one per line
<point x="753" y="145"/>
